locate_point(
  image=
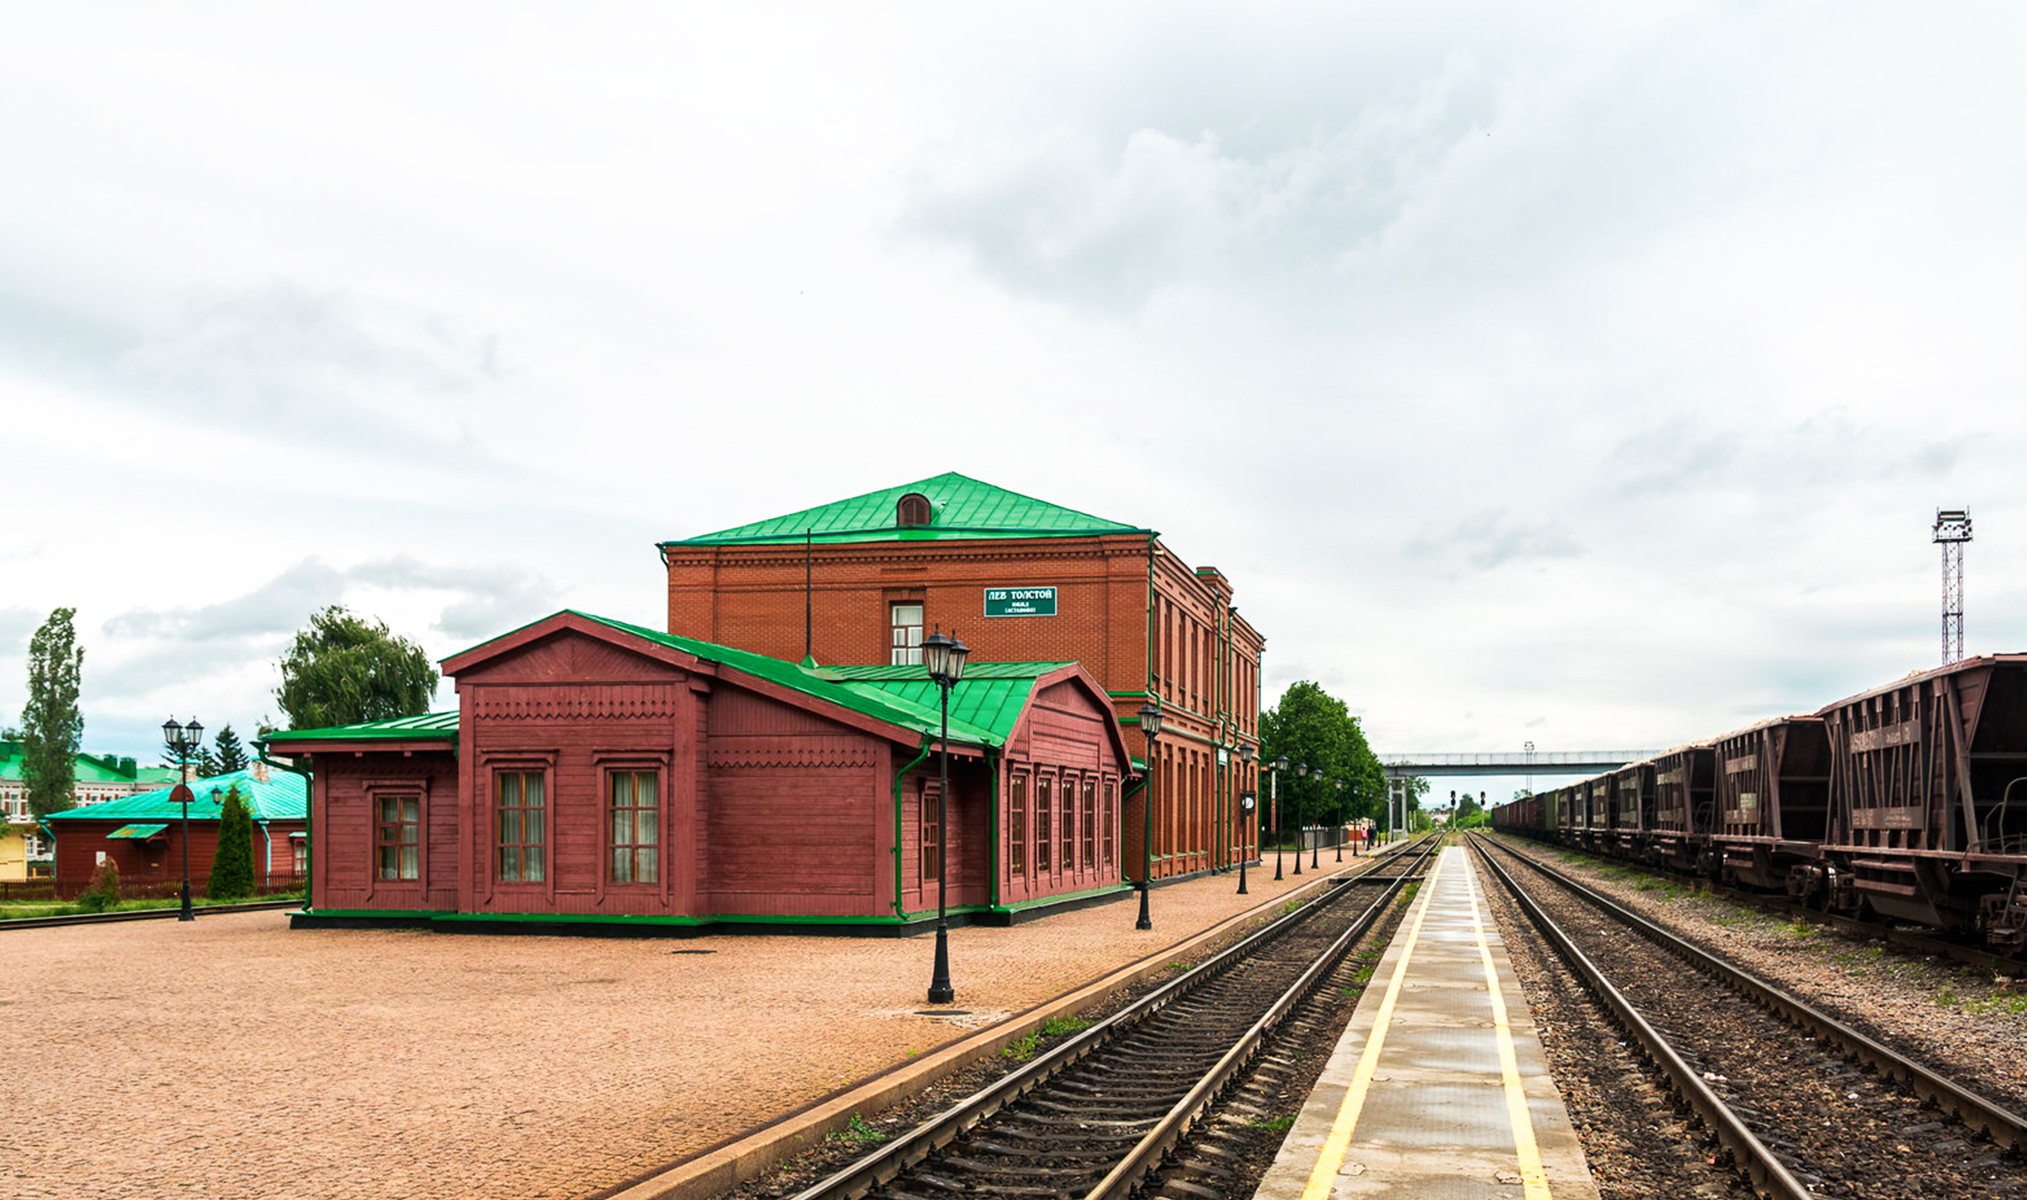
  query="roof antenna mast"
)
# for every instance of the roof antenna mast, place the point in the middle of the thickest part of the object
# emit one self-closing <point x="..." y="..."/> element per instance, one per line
<point x="1952" y="530"/>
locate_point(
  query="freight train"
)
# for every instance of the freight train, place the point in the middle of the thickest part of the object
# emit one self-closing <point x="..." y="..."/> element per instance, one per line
<point x="1904" y="803"/>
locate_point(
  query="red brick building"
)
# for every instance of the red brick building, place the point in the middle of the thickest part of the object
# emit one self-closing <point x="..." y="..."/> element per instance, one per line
<point x="860" y="580"/>
<point x="598" y="772"/>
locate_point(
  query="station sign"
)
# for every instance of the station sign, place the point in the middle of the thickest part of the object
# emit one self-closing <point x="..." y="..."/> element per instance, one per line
<point x="1020" y="602"/>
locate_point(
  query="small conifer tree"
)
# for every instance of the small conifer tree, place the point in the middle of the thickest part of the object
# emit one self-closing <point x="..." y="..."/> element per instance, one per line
<point x="103" y="892"/>
<point x="232" y="865"/>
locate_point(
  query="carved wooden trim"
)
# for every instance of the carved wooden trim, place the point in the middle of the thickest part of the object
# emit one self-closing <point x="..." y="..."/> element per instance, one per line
<point x="733" y="758"/>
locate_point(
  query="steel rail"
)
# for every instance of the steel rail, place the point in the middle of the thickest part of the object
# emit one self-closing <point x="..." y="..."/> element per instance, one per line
<point x="882" y="1165"/>
<point x="2003" y="1125"/>
<point x="141" y="914"/>
<point x="1770" y="1177"/>
<point x="1147" y="1154"/>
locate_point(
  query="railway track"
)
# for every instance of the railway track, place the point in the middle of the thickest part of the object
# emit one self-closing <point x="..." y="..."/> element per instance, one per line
<point x="144" y="914"/>
<point x="1098" y="1116"/>
<point x="1782" y="1085"/>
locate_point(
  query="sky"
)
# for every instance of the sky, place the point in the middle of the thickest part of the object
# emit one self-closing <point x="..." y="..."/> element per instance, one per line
<point x="1583" y="374"/>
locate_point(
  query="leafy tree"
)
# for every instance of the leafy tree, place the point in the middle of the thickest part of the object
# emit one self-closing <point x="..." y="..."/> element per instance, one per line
<point x="344" y="669"/>
<point x="228" y="753"/>
<point x="232" y="865"/>
<point x="1310" y="726"/>
<point x="51" y="726"/>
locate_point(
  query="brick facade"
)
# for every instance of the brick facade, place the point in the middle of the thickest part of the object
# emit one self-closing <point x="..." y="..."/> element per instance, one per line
<point x="1136" y="616"/>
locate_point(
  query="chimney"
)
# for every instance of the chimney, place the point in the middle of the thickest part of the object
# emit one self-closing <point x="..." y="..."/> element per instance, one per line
<point x="259" y="770"/>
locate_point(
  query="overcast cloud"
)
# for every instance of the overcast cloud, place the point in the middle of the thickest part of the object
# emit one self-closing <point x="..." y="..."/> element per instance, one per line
<point x="1586" y="374"/>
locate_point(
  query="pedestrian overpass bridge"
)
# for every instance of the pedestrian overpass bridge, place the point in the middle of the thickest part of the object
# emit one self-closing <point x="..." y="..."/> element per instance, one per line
<point x="1511" y="762"/>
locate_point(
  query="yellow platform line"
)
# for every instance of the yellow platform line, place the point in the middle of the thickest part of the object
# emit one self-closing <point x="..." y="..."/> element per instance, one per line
<point x="1338" y="1141"/>
<point x="1534" y="1181"/>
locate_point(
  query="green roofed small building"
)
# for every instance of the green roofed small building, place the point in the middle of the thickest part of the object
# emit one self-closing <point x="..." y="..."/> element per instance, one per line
<point x="24" y="852"/>
<point x="861" y="580"/>
<point x="610" y="777"/>
<point x="142" y="834"/>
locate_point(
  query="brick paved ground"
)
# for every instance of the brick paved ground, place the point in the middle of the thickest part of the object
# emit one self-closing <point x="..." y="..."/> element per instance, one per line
<point x="233" y="1057"/>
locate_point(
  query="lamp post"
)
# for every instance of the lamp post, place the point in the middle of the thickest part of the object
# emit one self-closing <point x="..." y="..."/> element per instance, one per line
<point x="1337" y="834"/>
<point x="183" y="739"/>
<point x="1246" y="810"/>
<point x="1150" y="728"/>
<point x="1316" y="845"/>
<point x="1280" y="765"/>
<point x="943" y="657"/>
<point x="1295" y="794"/>
<point x="1249" y="782"/>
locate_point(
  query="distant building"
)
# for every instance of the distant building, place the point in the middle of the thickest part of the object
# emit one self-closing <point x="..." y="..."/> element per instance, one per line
<point x="861" y="580"/>
<point x="24" y="852"/>
<point x="142" y="833"/>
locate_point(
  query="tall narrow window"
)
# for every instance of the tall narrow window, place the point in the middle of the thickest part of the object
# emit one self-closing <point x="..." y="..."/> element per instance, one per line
<point x="1042" y="801"/>
<point x="518" y="796"/>
<point x="932" y="836"/>
<point x="1111" y="818"/>
<point x="1017" y="824"/>
<point x="636" y="826"/>
<point x="905" y="628"/>
<point x="1090" y="822"/>
<point x="1069" y="825"/>
<point x="302" y="856"/>
<point x="397" y="827"/>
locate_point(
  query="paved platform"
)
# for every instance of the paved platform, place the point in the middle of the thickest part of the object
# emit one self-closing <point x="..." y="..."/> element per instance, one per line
<point x="234" y="1058"/>
<point x="1438" y="1088"/>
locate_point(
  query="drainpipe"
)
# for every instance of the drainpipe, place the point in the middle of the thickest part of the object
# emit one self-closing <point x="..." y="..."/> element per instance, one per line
<point x="1147" y="826"/>
<point x="992" y="827"/>
<point x="898" y="777"/>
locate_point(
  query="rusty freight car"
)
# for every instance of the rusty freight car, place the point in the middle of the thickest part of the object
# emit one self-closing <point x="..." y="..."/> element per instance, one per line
<point x="1771" y="803"/>
<point x="1928" y="818"/>
<point x="1682" y="806"/>
<point x="1632" y="793"/>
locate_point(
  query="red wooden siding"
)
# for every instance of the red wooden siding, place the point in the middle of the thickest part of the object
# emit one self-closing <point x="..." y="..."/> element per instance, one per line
<point x="346" y="871"/>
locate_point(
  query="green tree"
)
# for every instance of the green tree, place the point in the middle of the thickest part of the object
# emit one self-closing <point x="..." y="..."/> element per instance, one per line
<point x="52" y="728"/>
<point x="232" y="865"/>
<point x="1312" y="727"/>
<point x="228" y="752"/>
<point x="344" y="669"/>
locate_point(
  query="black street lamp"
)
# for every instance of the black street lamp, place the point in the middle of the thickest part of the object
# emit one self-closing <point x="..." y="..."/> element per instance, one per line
<point x="1316" y="843"/>
<point x="944" y="659"/>
<point x="183" y="739"/>
<point x="1150" y="728"/>
<point x="1337" y="834"/>
<point x="1295" y="794"/>
<point x="1248" y="800"/>
<point x="1280" y="765"/>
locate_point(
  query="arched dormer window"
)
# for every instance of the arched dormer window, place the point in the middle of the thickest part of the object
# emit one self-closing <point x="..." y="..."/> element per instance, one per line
<point x="913" y="510"/>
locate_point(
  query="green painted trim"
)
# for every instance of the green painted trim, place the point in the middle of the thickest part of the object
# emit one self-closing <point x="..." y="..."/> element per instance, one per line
<point x="1106" y="890"/>
<point x="898" y="777"/>
<point x="419" y="913"/>
<point x="652" y="919"/>
<point x="1127" y="695"/>
<point x="930" y="913"/>
<point x="908" y="533"/>
<point x="992" y="828"/>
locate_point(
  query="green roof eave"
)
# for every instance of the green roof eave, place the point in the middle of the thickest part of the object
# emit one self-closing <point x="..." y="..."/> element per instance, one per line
<point x="437" y="726"/>
<point x="960" y="507"/>
<point x="893" y="533"/>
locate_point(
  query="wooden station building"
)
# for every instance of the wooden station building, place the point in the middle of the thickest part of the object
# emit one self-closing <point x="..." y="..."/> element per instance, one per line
<point x="600" y="773"/>
<point x="142" y="834"/>
<point x="861" y="579"/>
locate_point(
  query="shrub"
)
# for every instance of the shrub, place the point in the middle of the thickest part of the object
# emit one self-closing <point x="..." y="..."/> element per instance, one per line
<point x="232" y="865"/>
<point x="103" y="892"/>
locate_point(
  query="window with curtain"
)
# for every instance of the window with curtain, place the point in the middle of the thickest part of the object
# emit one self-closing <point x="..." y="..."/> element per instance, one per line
<point x="1042" y="838"/>
<point x="1069" y="825"/>
<point x="397" y="836"/>
<point x="1017" y="824"/>
<point x="905" y="627"/>
<point x="520" y="830"/>
<point x="1090" y="822"/>
<point x="1111" y="819"/>
<point x="932" y="836"/>
<point x="635" y="825"/>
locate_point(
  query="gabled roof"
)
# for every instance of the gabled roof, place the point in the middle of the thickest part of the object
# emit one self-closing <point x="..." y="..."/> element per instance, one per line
<point x="960" y="507"/>
<point x="438" y="726"/>
<point x="991" y="696"/>
<point x="89" y="768"/>
<point x="279" y="798"/>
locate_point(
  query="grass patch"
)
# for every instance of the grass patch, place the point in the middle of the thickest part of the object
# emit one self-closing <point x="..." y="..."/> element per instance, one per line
<point x="1022" y="1049"/>
<point x="1276" y="1124"/>
<point x="1800" y="930"/>
<point x="15" y="912"/>
<point x="855" y="1132"/>
<point x="1058" y="1026"/>
<point x="1181" y="964"/>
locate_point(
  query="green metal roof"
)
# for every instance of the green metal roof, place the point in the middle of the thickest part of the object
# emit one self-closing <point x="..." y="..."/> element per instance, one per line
<point x="959" y="507"/>
<point x="280" y="798"/>
<point x="991" y="696"/>
<point x="89" y="769"/>
<point x="437" y="726"/>
<point x="139" y="832"/>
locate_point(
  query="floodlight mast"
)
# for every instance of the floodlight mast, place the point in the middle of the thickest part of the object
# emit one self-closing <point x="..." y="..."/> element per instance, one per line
<point x="1952" y="530"/>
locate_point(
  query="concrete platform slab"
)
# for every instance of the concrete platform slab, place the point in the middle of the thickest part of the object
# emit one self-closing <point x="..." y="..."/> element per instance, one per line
<point x="1438" y="1087"/>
